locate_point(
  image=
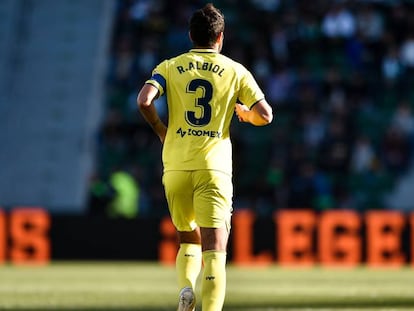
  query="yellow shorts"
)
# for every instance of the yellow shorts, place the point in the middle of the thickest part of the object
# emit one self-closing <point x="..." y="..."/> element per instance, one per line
<point x="200" y="198"/>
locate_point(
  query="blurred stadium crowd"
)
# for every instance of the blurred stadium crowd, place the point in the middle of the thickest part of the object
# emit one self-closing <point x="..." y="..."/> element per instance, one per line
<point x="339" y="75"/>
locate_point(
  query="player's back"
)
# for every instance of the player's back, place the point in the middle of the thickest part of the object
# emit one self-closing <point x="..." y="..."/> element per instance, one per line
<point x="202" y="87"/>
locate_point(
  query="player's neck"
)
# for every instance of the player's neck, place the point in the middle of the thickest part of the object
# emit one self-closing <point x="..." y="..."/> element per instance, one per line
<point x="215" y="47"/>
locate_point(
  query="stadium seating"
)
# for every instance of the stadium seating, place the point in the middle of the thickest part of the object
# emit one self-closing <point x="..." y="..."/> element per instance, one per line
<point x="54" y="59"/>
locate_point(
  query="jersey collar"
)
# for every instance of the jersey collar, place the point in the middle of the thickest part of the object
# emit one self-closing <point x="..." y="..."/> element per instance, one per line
<point x="200" y="50"/>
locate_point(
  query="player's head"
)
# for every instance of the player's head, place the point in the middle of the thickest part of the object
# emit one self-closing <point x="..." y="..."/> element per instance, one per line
<point x="207" y="27"/>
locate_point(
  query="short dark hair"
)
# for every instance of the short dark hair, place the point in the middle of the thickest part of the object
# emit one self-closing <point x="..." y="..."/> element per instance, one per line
<point x="206" y="25"/>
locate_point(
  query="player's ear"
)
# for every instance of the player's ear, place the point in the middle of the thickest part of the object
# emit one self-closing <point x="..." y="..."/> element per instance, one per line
<point x="220" y="37"/>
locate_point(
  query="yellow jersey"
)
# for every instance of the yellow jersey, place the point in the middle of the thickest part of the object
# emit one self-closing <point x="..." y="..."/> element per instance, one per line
<point x="202" y="87"/>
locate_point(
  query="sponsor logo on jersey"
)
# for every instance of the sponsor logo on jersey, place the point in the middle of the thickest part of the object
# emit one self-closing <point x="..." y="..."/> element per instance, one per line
<point x="199" y="133"/>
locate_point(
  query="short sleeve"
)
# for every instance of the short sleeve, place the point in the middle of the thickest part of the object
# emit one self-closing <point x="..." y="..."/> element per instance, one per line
<point x="250" y="92"/>
<point x="159" y="77"/>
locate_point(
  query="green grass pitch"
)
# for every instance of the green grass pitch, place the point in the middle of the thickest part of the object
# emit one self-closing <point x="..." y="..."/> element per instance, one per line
<point x="131" y="286"/>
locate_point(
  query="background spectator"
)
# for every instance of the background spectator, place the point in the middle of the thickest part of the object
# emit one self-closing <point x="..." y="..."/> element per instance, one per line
<point x="338" y="74"/>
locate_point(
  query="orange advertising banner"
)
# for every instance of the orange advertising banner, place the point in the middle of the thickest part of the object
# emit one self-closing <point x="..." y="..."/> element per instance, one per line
<point x="28" y="237"/>
<point x="2" y="237"/>
<point x="346" y="238"/>
<point x="305" y="238"/>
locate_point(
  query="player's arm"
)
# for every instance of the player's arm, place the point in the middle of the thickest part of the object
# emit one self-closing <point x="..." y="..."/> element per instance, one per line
<point x="260" y="114"/>
<point x="145" y="102"/>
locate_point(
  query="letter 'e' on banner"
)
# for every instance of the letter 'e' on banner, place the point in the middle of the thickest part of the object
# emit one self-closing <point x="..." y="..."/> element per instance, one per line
<point x="384" y="238"/>
<point x="339" y="238"/>
<point x="295" y="232"/>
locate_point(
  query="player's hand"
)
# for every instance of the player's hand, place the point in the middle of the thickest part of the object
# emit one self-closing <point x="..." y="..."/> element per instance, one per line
<point x="242" y="112"/>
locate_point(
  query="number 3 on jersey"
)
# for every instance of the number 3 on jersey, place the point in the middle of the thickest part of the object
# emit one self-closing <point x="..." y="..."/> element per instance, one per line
<point x="202" y="102"/>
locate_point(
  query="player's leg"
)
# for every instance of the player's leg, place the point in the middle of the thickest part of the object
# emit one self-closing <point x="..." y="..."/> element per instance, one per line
<point x="178" y="190"/>
<point x="213" y="200"/>
<point x="189" y="259"/>
<point x="188" y="267"/>
<point x="213" y="286"/>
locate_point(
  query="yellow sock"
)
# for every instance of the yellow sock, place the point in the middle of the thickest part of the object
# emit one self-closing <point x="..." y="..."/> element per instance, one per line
<point x="213" y="285"/>
<point x="188" y="264"/>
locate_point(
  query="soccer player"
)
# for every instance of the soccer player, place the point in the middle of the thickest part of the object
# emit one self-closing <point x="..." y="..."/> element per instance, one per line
<point x="203" y="89"/>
